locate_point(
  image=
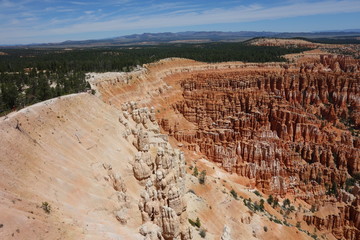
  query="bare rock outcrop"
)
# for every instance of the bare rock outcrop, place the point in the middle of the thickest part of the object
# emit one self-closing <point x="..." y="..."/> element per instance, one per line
<point x="340" y="63"/>
<point x="119" y="186"/>
<point x="161" y="170"/>
<point x="345" y="224"/>
<point x="226" y="233"/>
<point x="141" y="170"/>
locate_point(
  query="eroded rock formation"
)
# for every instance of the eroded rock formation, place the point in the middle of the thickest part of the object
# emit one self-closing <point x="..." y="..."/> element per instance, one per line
<point x="161" y="170"/>
<point x="289" y="128"/>
<point x="290" y="132"/>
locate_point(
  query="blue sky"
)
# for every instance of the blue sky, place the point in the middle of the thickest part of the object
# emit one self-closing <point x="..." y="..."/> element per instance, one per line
<point x="30" y="21"/>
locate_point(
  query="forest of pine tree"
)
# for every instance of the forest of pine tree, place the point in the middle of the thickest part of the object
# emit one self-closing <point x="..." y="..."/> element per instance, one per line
<point x="31" y="75"/>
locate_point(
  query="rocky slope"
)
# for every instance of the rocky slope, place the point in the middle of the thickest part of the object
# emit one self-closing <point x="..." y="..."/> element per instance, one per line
<point x="180" y="150"/>
<point x="76" y="168"/>
<point x="292" y="131"/>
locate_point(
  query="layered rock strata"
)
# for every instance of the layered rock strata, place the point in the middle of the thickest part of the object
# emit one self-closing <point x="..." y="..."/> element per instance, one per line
<point x="291" y="129"/>
<point x="290" y="132"/>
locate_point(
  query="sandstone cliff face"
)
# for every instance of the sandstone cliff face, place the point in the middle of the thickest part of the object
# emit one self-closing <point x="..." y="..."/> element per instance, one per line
<point x="345" y="224"/>
<point x="290" y="132"/>
<point x="340" y="63"/>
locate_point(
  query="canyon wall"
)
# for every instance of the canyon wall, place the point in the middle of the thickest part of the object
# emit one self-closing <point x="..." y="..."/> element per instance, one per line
<point x="290" y="129"/>
<point x="290" y="132"/>
<point x="109" y="168"/>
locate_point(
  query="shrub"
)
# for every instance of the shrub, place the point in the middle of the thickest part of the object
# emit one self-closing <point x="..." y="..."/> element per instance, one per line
<point x="46" y="207"/>
<point x="195" y="223"/>
<point x="270" y="200"/>
<point x="192" y="223"/>
<point x="256" y="206"/>
<point x="265" y="228"/>
<point x="202" y="233"/>
<point x="195" y="172"/>
<point x="349" y="183"/>
<point x="202" y="177"/>
<point x="198" y="224"/>
<point x="332" y="190"/>
<point x="313" y="208"/>
<point x="257" y="193"/>
<point x="314" y="236"/>
<point x="275" y="203"/>
<point x="262" y="205"/>
<point x="286" y="203"/>
<point x="234" y="194"/>
<point x="277" y="221"/>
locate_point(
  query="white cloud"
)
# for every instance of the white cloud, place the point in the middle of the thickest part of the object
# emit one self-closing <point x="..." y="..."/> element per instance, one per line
<point x="215" y="16"/>
<point x="174" y="14"/>
<point x="7" y="4"/>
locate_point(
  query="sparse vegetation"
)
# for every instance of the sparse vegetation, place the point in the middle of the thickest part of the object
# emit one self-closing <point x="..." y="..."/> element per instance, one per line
<point x="202" y="177"/>
<point x="286" y="203"/>
<point x="262" y="205"/>
<point x="286" y="223"/>
<point x="275" y="203"/>
<point x="257" y="193"/>
<point x="254" y="206"/>
<point x="270" y="200"/>
<point x="350" y="182"/>
<point x="234" y="194"/>
<point x="333" y="190"/>
<point x="314" y="236"/>
<point x="313" y="208"/>
<point x="195" y="172"/>
<point x="195" y="223"/>
<point x="292" y="208"/>
<point x="202" y="233"/>
<point x="46" y="207"/>
<point x="277" y="221"/>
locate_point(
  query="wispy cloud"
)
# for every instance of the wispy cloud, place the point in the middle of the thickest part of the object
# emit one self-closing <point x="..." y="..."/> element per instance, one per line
<point x="84" y="17"/>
